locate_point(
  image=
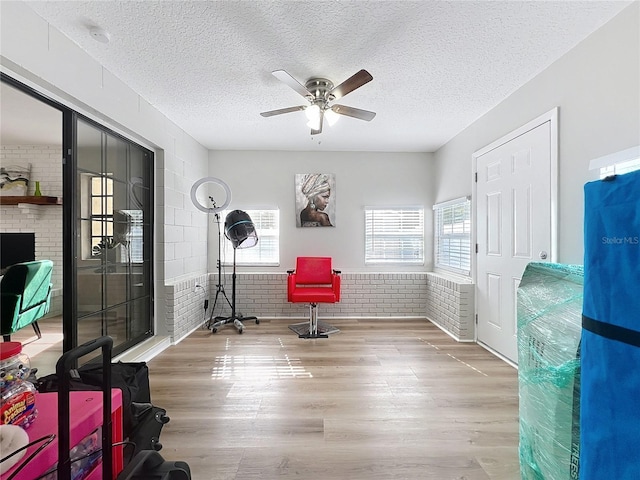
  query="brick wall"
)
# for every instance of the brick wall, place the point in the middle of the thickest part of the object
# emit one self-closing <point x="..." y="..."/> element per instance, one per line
<point x="44" y="221"/>
<point x="185" y="306"/>
<point x="363" y="295"/>
<point x="451" y="306"/>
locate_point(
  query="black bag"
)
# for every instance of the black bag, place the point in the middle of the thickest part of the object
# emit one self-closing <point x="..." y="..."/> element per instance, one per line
<point x="149" y="465"/>
<point x="131" y="378"/>
<point x="148" y="423"/>
<point x="146" y="464"/>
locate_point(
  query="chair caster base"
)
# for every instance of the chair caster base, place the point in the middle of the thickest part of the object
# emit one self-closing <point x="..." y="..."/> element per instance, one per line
<point x="317" y="335"/>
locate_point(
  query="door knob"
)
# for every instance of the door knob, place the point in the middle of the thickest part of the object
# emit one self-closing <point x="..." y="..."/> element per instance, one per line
<point x="543" y="255"/>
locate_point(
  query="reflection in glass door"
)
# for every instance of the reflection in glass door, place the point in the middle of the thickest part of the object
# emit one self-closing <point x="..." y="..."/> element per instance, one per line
<point x="114" y="238"/>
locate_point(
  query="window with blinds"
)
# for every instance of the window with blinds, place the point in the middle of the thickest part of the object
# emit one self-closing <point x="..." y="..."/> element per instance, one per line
<point x="267" y="251"/>
<point x="394" y="235"/>
<point x="452" y="232"/>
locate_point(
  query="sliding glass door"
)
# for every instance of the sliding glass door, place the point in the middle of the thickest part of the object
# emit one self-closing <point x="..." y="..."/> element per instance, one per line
<point x="113" y="200"/>
<point x="105" y="244"/>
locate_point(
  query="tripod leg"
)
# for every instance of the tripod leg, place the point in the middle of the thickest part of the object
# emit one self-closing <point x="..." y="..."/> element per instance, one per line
<point x="213" y="309"/>
<point x="219" y="290"/>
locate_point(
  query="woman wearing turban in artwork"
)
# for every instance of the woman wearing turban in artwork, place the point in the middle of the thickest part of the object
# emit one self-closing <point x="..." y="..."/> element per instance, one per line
<point x="316" y="188"/>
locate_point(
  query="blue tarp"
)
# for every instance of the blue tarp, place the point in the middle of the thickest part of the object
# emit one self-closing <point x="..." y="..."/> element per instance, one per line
<point x="610" y="350"/>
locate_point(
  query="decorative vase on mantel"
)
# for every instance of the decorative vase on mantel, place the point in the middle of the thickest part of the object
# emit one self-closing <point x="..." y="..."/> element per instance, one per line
<point x="37" y="193"/>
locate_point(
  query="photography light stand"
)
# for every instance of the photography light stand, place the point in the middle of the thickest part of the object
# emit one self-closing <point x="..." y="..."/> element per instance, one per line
<point x="215" y="209"/>
<point x="236" y="319"/>
<point x="219" y="285"/>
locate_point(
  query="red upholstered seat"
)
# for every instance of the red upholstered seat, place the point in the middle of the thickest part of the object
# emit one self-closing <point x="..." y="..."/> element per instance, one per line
<point x="313" y="281"/>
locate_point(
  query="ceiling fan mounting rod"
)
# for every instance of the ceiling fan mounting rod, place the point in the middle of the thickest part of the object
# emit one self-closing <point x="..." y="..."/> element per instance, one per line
<point x="320" y="88"/>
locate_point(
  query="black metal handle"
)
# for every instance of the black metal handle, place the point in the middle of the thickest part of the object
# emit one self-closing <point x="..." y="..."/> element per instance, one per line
<point x="63" y="367"/>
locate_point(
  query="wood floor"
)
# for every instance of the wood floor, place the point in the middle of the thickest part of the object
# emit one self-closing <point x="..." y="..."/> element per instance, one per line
<point x="379" y="400"/>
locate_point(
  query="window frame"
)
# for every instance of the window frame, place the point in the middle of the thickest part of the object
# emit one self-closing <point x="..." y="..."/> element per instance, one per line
<point x="100" y="191"/>
<point x="444" y="261"/>
<point x="372" y="244"/>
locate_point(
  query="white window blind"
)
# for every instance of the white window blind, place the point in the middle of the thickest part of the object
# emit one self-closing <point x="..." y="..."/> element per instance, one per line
<point x="267" y="251"/>
<point x="452" y="240"/>
<point x="134" y="236"/>
<point x="394" y="235"/>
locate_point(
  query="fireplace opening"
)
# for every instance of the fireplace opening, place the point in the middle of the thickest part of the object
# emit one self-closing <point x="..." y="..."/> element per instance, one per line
<point x="16" y="248"/>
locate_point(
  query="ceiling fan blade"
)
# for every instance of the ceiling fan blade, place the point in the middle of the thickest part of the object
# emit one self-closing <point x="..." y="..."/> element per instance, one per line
<point x="292" y="82"/>
<point x="350" y="84"/>
<point x="354" y="112"/>
<point x="271" y="113"/>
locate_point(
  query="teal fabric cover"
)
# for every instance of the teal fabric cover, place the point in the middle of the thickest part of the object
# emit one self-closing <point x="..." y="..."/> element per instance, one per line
<point x="26" y="294"/>
<point x="610" y="354"/>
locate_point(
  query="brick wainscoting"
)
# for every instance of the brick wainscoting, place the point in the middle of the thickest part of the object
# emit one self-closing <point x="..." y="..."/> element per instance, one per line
<point x="451" y="306"/>
<point x="363" y="295"/>
<point x="445" y="302"/>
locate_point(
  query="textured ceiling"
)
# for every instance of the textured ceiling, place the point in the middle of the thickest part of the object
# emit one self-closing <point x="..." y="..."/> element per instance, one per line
<point x="437" y="66"/>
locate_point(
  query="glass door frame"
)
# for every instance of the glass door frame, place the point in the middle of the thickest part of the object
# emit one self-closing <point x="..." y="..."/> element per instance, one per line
<point x="107" y="137"/>
<point x="69" y="212"/>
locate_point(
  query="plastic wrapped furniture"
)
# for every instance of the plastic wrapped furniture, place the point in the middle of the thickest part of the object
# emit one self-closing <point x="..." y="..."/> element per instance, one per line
<point x="610" y="355"/>
<point x="549" y="316"/>
<point x="26" y="296"/>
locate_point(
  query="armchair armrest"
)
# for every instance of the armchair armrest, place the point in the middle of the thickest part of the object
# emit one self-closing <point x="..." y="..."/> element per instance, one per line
<point x="291" y="285"/>
<point x="335" y="285"/>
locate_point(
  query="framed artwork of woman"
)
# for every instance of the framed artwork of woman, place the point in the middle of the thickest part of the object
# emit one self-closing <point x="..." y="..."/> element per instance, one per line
<point x="315" y="199"/>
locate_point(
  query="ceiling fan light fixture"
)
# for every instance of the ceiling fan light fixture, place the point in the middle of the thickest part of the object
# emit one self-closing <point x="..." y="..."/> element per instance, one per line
<point x="314" y="124"/>
<point x="331" y="116"/>
<point x="312" y="112"/>
<point x="314" y="115"/>
<point x="319" y="92"/>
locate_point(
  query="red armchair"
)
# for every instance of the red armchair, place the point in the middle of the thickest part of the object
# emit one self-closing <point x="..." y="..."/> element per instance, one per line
<point x="313" y="281"/>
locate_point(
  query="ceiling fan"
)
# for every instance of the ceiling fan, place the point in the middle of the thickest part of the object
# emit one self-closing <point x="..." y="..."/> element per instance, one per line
<point x="320" y="92"/>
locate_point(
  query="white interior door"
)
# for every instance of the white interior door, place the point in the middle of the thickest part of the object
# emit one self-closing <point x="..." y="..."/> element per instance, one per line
<point x="515" y="185"/>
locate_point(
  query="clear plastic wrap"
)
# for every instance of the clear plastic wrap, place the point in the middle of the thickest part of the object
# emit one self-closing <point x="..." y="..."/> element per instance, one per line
<point x="549" y="302"/>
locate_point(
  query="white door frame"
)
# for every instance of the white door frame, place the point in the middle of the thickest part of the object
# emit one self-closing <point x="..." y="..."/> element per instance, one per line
<point x="552" y="117"/>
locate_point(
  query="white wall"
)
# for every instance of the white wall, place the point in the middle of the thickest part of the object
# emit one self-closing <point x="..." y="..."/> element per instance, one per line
<point x="597" y="87"/>
<point x="40" y="56"/>
<point x="259" y="179"/>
